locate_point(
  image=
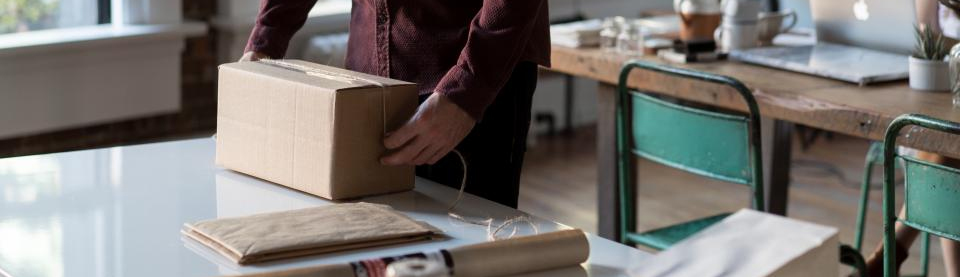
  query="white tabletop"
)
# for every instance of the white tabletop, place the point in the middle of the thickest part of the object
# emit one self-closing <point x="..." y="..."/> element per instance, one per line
<point x="118" y="212"/>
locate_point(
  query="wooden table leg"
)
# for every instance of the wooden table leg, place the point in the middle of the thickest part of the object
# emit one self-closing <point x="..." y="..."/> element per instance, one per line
<point x="778" y="187"/>
<point x="607" y="202"/>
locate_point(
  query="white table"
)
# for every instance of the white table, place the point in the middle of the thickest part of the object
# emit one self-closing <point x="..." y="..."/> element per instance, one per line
<point x="118" y="212"/>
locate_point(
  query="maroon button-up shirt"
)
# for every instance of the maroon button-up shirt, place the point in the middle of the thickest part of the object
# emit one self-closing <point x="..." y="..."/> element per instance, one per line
<point x="464" y="49"/>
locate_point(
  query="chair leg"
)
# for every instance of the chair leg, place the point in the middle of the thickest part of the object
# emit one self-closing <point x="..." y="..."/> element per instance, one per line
<point x="852" y="257"/>
<point x="924" y="254"/>
<point x="628" y="214"/>
<point x="873" y="157"/>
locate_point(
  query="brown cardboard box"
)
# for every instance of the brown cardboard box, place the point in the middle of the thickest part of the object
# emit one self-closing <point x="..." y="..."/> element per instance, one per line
<point x="314" y="128"/>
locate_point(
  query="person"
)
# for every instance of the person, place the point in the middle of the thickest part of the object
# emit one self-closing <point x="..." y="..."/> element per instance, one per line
<point x="930" y="14"/>
<point x="475" y="62"/>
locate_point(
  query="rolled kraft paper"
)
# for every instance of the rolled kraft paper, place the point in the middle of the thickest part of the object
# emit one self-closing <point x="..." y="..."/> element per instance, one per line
<point x="521" y="255"/>
<point x="504" y="257"/>
<point x="330" y="270"/>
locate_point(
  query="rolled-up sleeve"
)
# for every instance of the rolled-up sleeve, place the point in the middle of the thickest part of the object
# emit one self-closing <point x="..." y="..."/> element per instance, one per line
<point x="497" y="37"/>
<point x="277" y="22"/>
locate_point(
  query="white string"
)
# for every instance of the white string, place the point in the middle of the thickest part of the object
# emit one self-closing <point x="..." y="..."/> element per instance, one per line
<point x="491" y="230"/>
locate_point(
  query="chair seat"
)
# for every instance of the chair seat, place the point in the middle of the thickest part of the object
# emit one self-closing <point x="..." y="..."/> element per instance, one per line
<point x="663" y="238"/>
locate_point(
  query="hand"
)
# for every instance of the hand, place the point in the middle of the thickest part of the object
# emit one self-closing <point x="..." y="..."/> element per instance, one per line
<point x="437" y="127"/>
<point x="252" y="56"/>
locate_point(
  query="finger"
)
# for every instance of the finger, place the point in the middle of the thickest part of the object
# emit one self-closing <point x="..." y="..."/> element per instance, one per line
<point x="427" y="154"/>
<point x="439" y="155"/>
<point x="401" y="136"/>
<point x="406" y="153"/>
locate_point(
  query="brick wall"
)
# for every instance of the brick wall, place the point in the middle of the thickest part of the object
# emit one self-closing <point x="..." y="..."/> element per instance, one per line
<point x="196" y="118"/>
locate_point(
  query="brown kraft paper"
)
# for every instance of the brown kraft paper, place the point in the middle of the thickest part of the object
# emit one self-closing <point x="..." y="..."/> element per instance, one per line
<point x="296" y="233"/>
<point x="506" y="257"/>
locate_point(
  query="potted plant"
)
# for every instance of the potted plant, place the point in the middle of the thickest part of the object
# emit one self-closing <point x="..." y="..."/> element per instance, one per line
<point x="928" y="70"/>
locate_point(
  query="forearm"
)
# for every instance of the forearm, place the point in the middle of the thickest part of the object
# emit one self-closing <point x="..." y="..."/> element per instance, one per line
<point x="495" y="43"/>
<point x="927" y="13"/>
<point x="276" y="23"/>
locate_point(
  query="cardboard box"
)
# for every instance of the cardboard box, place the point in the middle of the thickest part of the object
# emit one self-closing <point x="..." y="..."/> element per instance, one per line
<point x="750" y="244"/>
<point x="310" y="127"/>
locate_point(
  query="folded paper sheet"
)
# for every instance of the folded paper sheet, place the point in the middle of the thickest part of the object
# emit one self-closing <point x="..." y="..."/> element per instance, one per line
<point x="750" y="244"/>
<point x="310" y="231"/>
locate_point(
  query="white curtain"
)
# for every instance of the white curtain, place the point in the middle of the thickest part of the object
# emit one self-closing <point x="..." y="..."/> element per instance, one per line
<point x="132" y="12"/>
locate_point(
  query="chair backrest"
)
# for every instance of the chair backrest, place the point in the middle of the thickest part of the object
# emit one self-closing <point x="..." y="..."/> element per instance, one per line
<point x="716" y="145"/>
<point x="932" y="191"/>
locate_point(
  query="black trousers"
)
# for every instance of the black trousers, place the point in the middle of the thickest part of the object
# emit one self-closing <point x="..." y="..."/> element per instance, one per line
<point x="495" y="147"/>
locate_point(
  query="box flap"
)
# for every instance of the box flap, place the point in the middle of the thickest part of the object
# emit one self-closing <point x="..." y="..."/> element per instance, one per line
<point x="313" y="74"/>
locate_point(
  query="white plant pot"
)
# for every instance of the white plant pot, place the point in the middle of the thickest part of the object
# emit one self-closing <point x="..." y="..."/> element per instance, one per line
<point x="929" y="75"/>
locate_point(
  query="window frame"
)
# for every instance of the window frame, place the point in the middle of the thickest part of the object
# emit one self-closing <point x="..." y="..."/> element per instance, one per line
<point x="103" y="12"/>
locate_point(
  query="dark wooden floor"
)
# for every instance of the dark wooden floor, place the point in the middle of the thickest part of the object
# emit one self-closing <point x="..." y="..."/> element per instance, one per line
<point x="559" y="183"/>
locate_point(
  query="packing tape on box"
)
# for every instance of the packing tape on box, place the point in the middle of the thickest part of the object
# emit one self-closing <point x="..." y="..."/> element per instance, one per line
<point x="346" y="78"/>
<point x="351" y="79"/>
<point x="516" y="255"/>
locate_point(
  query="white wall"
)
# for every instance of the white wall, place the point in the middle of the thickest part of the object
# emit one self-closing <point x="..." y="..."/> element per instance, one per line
<point x="802" y="7"/>
<point x="85" y="85"/>
<point x="73" y="77"/>
<point x="550" y="98"/>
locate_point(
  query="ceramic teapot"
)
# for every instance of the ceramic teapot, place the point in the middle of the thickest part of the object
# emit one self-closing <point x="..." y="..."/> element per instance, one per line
<point x="698" y="18"/>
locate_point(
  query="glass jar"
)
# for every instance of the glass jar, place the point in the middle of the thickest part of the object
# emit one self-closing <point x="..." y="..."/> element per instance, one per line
<point x="630" y="40"/>
<point x="954" y="60"/>
<point x="609" y="33"/>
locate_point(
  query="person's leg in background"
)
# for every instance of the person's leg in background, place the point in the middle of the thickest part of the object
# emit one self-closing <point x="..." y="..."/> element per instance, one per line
<point x="495" y="147"/>
<point x="951" y="248"/>
<point x="951" y="256"/>
<point x="905" y="236"/>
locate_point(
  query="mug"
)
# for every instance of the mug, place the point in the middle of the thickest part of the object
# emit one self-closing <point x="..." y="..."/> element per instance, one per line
<point x="697" y="6"/>
<point x="741" y="11"/>
<point x="735" y="36"/>
<point x="771" y="24"/>
<point x="698" y="19"/>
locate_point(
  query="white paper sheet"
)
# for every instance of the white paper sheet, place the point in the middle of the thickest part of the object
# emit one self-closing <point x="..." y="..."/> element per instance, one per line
<point x="750" y="243"/>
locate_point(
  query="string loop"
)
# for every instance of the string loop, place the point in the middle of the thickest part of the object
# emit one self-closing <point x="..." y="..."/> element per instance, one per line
<point x="492" y="229"/>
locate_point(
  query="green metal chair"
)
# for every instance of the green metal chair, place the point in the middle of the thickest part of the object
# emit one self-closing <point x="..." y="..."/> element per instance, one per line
<point x="874" y="158"/>
<point x="716" y="145"/>
<point x="931" y="191"/>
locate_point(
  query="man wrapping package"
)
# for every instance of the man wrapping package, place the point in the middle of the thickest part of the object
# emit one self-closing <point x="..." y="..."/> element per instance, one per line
<point x="475" y="62"/>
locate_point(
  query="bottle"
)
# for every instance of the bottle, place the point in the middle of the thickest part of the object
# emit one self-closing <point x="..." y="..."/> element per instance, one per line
<point x="954" y="60"/>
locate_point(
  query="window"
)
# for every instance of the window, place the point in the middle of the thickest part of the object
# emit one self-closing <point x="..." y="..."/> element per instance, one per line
<point x="328" y="7"/>
<point x="30" y="15"/>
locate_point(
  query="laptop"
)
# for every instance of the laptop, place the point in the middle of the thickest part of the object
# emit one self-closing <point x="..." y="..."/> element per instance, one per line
<point x="858" y="41"/>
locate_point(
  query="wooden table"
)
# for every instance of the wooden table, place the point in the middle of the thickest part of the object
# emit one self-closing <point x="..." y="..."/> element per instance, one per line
<point x="787" y="97"/>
